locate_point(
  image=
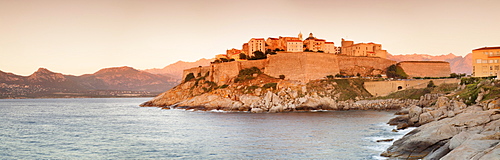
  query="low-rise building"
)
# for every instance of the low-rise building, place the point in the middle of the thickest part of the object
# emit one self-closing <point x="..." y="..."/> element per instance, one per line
<point x="486" y="61"/>
<point x="233" y="53"/>
<point x="329" y="47"/>
<point x="256" y="44"/>
<point x="362" y="49"/>
<point x="294" y="46"/>
<point x="311" y="43"/>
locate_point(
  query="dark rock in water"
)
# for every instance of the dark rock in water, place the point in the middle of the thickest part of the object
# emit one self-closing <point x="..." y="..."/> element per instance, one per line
<point x="398" y="119"/>
<point x="394" y="130"/>
<point x="402" y="126"/>
<point x="385" y="140"/>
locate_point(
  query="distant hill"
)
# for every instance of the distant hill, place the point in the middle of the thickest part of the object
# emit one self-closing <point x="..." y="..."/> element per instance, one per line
<point x="458" y="64"/>
<point x="108" y="82"/>
<point x="174" y="70"/>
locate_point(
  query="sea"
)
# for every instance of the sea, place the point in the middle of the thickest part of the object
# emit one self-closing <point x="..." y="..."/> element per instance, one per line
<point x="117" y="128"/>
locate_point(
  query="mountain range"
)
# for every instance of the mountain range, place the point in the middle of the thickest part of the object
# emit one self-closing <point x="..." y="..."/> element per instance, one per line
<point x="127" y="81"/>
<point x="108" y="82"/>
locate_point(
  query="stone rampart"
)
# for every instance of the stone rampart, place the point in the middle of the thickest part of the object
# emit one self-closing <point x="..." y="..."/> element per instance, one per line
<point x="363" y="65"/>
<point x="302" y="66"/>
<point x="223" y="72"/>
<point x="383" y="88"/>
<point x="426" y="68"/>
<point x="306" y="66"/>
<point x="197" y="71"/>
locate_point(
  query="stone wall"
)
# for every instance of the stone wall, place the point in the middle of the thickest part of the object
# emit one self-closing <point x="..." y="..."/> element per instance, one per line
<point x="302" y="66"/>
<point x="426" y="68"/>
<point x="196" y="71"/>
<point x="363" y="65"/>
<point x="383" y="88"/>
<point x="306" y="66"/>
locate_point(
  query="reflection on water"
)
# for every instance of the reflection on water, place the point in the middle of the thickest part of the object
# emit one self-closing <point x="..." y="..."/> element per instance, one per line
<point x="119" y="129"/>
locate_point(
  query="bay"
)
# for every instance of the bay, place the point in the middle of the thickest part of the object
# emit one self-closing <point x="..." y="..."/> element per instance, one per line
<point x="117" y="128"/>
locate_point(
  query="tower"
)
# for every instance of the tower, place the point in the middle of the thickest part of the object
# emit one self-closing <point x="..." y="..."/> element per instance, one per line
<point x="300" y="36"/>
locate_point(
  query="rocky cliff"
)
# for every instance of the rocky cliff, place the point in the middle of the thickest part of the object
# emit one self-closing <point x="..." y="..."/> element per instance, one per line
<point x="257" y="92"/>
<point x="451" y="129"/>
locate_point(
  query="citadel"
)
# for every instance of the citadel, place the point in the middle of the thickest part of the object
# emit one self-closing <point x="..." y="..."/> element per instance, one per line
<point x="312" y="58"/>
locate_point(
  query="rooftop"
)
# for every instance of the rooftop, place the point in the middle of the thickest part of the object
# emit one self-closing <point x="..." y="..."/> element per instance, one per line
<point x="423" y="62"/>
<point x="486" y="48"/>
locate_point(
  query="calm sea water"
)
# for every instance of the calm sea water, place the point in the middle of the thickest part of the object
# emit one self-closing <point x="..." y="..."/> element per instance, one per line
<point x="117" y="128"/>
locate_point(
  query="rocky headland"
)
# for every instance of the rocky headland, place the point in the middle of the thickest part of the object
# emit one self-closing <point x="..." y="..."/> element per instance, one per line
<point x="453" y="120"/>
<point x="256" y="92"/>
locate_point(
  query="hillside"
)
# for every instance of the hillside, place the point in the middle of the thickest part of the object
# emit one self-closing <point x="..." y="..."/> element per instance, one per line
<point x="175" y="70"/>
<point x="108" y="82"/>
<point x="458" y="64"/>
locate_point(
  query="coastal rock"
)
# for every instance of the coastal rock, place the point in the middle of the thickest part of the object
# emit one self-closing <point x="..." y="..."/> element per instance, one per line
<point x="432" y="136"/>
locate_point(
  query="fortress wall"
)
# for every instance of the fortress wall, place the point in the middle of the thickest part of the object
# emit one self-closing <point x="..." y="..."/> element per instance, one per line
<point x="289" y="64"/>
<point x="383" y="88"/>
<point x="253" y="63"/>
<point x="349" y="64"/>
<point x="426" y="68"/>
<point x="223" y="72"/>
<point x="320" y="65"/>
<point x="196" y="70"/>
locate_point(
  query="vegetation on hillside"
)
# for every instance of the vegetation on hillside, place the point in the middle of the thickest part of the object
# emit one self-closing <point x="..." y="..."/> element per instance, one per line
<point x="445" y="88"/>
<point x="478" y="89"/>
<point x="397" y="72"/>
<point x="340" y="89"/>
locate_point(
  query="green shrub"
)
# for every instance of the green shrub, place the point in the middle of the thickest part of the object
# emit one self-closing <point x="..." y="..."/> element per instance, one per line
<point x="247" y="74"/>
<point x="282" y="76"/>
<point x="395" y="71"/>
<point x="189" y="77"/>
<point x="269" y="85"/>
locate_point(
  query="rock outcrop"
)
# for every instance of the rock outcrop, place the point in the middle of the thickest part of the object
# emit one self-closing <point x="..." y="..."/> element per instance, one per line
<point x="449" y="129"/>
<point x="266" y="94"/>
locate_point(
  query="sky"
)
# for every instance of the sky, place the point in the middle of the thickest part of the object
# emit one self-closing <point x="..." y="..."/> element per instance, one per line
<point x="82" y="36"/>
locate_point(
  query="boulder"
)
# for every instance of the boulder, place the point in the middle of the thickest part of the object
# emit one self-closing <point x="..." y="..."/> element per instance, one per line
<point x="256" y="110"/>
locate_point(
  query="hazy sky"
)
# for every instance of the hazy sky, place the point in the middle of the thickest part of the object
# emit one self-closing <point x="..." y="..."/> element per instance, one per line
<point x="82" y="36"/>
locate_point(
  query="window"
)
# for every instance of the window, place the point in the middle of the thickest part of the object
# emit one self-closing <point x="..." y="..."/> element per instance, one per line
<point x="497" y="67"/>
<point x="491" y="61"/>
<point x="485" y="61"/>
<point x="478" y="60"/>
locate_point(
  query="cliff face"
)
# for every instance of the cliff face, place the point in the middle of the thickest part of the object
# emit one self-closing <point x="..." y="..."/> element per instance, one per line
<point x="260" y="93"/>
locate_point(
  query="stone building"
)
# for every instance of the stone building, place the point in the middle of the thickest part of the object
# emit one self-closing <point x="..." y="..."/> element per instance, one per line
<point x="233" y="54"/>
<point x="256" y="44"/>
<point x="294" y="46"/>
<point x="312" y="43"/>
<point x="486" y="61"/>
<point x="362" y="49"/>
<point x="272" y="44"/>
<point x="330" y="47"/>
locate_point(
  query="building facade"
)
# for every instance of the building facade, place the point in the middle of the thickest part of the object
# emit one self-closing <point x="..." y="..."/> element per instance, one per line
<point x="362" y="49"/>
<point x="486" y="61"/>
<point x="311" y="43"/>
<point x="294" y="46"/>
<point x="233" y="53"/>
<point x="329" y="47"/>
<point x="256" y="44"/>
